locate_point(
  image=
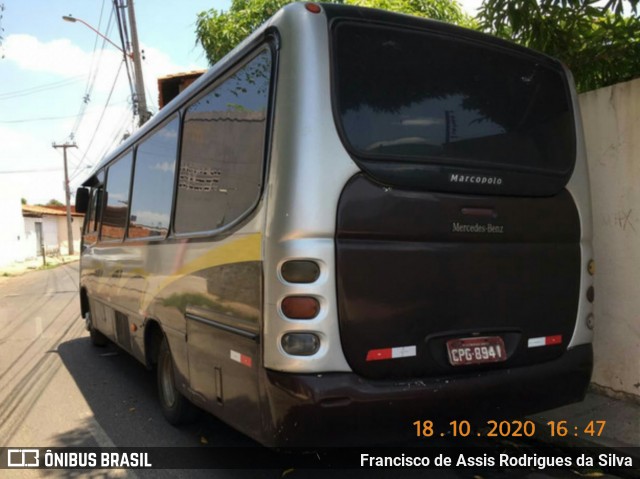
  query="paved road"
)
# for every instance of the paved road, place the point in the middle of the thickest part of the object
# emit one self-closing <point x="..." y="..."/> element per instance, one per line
<point x="57" y="390"/>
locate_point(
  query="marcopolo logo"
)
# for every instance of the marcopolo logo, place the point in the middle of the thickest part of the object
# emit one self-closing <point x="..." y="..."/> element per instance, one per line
<point x="475" y="179"/>
<point x="23" y="458"/>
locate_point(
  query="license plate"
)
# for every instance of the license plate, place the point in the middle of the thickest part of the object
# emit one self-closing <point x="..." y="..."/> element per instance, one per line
<point x="487" y="349"/>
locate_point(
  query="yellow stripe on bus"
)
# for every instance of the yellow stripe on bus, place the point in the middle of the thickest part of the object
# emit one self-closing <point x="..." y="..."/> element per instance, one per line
<point x="238" y="250"/>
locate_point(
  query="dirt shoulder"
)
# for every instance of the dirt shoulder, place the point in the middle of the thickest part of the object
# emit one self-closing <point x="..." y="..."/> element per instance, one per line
<point x="22" y="267"/>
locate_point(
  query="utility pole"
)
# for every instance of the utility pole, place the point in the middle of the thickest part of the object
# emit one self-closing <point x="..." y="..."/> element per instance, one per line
<point x="143" y="112"/>
<point x="67" y="193"/>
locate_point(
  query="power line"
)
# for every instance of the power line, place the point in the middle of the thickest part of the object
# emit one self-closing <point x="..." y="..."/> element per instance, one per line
<point x="40" y="88"/>
<point x="93" y="72"/>
<point x="115" y="80"/>
<point x="121" y="30"/>
<point x="45" y="118"/>
<point x="35" y="170"/>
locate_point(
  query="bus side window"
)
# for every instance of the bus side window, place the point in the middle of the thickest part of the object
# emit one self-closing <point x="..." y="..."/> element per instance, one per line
<point x="91" y="223"/>
<point x="153" y="183"/>
<point x="116" y="206"/>
<point x="223" y="150"/>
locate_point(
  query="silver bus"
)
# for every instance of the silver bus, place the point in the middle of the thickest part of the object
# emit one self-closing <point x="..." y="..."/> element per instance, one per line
<point x="355" y="221"/>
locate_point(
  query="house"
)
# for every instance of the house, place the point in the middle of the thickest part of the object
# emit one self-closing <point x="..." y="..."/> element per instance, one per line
<point x="12" y="234"/>
<point x="46" y="226"/>
<point x="171" y="86"/>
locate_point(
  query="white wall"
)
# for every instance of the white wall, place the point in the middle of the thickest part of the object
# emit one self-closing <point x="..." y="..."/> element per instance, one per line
<point x="63" y="240"/>
<point x="49" y="231"/>
<point x="12" y="240"/>
<point x="611" y="118"/>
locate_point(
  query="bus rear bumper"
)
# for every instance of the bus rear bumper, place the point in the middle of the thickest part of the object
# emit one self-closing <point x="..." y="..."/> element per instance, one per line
<point x="343" y="408"/>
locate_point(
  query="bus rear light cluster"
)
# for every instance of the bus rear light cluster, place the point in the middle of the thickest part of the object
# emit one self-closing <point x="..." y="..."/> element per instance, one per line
<point x="300" y="344"/>
<point x="300" y="307"/>
<point x="590" y="294"/>
<point x="312" y="7"/>
<point x="300" y="271"/>
<point x="591" y="267"/>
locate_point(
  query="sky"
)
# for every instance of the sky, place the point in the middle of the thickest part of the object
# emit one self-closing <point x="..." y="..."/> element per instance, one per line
<point x="49" y="67"/>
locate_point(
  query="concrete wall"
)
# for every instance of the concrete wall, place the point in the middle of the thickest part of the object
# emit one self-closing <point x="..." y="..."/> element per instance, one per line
<point x="611" y="118"/>
<point x="76" y="227"/>
<point x="12" y="237"/>
<point x="49" y="232"/>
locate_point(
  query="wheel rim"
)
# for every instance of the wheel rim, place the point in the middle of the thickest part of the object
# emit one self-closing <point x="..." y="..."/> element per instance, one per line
<point x="166" y="379"/>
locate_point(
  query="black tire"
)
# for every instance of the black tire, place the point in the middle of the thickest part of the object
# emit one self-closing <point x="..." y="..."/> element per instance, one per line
<point x="175" y="407"/>
<point x="97" y="338"/>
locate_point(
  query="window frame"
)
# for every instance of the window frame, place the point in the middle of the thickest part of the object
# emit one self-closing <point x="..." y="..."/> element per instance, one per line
<point x="107" y="170"/>
<point x="179" y="116"/>
<point x="270" y="46"/>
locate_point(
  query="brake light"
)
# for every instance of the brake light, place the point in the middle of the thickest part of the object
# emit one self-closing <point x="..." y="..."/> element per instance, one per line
<point x="300" y="307"/>
<point x="312" y="7"/>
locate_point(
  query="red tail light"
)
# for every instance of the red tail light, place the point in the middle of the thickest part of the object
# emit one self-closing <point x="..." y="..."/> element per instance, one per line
<point x="313" y="7"/>
<point x="300" y="307"/>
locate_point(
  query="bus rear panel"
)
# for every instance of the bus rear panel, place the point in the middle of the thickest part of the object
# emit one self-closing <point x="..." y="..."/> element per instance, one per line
<point x="365" y="220"/>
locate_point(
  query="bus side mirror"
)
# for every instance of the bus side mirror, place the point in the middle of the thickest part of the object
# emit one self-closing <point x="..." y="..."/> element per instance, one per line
<point x="82" y="200"/>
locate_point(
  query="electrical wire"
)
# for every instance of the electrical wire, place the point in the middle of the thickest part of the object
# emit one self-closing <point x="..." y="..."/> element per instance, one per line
<point x="93" y="72"/>
<point x="38" y="170"/>
<point x="103" y="112"/>
<point x="46" y="118"/>
<point x="121" y="29"/>
<point x="116" y="134"/>
<point x="40" y="88"/>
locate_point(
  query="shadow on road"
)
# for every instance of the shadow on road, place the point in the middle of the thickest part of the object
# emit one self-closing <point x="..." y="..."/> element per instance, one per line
<point x="121" y="394"/>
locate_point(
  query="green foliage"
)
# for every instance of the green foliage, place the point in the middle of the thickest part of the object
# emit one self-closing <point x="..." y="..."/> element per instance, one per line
<point x="219" y="32"/>
<point x="54" y="202"/>
<point x="23" y="201"/>
<point x="600" y="45"/>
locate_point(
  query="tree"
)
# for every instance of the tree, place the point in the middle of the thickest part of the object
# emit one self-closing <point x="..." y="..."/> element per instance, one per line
<point x="23" y="201"/>
<point x="54" y="202"/>
<point x="600" y="45"/>
<point x="219" y="32"/>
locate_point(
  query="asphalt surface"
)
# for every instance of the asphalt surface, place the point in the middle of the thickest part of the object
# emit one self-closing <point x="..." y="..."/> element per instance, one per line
<point x="57" y="390"/>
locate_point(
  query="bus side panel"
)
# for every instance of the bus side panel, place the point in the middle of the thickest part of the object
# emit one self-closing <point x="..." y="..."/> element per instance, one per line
<point x="223" y="372"/>
<point x="222" y="325"/>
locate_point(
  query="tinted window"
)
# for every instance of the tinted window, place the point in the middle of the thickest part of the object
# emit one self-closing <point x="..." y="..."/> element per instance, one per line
<point x="223" y="140"/>
<point x="422" y="97"/>
<point x="153" y="183"/>
<point x="114" y="217"/>
<point x="92" y="218"/>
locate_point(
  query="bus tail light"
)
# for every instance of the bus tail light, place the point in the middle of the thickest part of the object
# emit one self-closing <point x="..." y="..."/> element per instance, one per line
<point x="312" y="7"/>
<point x="300" y="344"/>
<point x="300" y="271"/>
<point x="300" y="307"/>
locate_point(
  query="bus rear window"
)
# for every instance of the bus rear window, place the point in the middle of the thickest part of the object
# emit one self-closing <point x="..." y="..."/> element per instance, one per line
<point x="421" y="97"/>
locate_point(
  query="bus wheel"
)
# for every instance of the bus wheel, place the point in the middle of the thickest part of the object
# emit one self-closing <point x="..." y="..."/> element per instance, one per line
<point x="97" y="338"/>
<point x="176" y="408"/>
